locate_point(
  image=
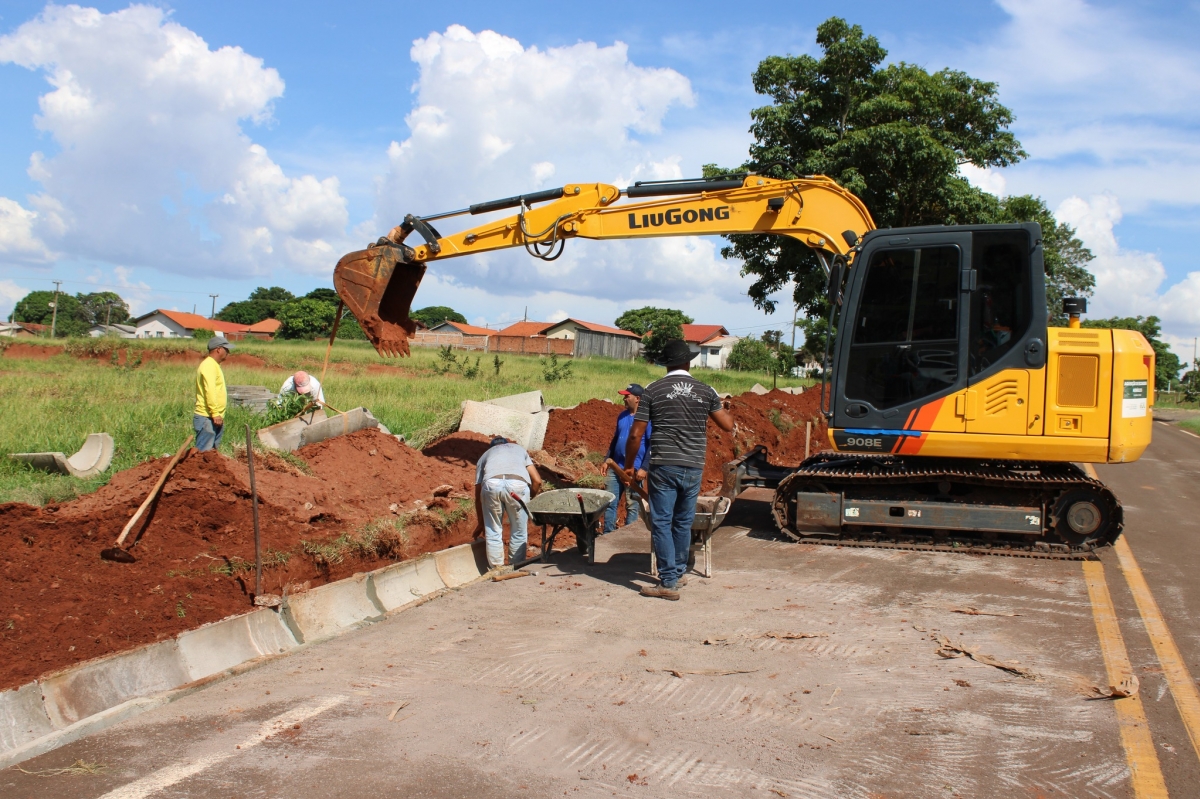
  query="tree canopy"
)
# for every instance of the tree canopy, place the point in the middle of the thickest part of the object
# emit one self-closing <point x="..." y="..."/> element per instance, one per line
<point x="76" y="313"/>
<point x="656" y="326"/>
<point x="895" y="135"/>
<point x="436" y="314"/>
<point x="305" y="319"/>
<point x="272" y="294"/>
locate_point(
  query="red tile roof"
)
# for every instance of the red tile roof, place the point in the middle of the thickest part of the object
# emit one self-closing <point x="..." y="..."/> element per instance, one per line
<point x="191" y="321"/>
<point x="525" y="329"/>
<point x="698" y="334"/>
<point x="470" y="330"/>
<point x="266" y="326"/>
<point x="595" y="328"/>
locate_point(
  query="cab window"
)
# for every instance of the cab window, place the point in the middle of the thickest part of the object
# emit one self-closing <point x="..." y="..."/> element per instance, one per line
<point x="1001" y="304"/>
<point x="905" y="340"/>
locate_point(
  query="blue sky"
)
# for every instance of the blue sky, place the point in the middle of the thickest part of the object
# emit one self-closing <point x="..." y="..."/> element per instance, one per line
<point x="182" y="149"/>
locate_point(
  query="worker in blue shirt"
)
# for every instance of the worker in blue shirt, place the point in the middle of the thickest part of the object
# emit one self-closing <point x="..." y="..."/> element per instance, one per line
<point x="616" y="454"/>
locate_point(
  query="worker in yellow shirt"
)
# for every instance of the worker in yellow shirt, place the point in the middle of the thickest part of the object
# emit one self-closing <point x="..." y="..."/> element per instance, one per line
<point x="209" y="421"/>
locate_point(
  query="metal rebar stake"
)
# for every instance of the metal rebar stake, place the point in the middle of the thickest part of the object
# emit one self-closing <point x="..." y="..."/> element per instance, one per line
<point x="254" y="506"/>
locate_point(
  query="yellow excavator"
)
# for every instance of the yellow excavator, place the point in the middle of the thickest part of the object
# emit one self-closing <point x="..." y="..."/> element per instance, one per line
<point x="956" y="415"/>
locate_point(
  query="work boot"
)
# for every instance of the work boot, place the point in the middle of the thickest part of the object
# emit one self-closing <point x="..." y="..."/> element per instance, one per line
<point x="660" y="592"/>
<point x="681" y="582"/>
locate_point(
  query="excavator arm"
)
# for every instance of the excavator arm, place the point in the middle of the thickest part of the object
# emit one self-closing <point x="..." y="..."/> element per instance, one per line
<point x="379" y="283"/>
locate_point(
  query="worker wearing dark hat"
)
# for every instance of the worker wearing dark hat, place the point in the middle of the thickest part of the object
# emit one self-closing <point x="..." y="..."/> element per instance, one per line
<point x="678" y="408"/>
<point x="616" y="455"/>
<point x="208" y="419"/>
<point x="504" y="469"/>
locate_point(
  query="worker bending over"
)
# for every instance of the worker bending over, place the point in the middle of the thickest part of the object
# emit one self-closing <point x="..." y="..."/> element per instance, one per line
<point x="209" y="418"/>
<point x="616" y="454"/>
<point x="678" y="407"/>
<point x="305" y="385"/>
<point x="505" y="469"/>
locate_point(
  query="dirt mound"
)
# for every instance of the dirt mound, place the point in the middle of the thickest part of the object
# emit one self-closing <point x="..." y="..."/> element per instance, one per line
<point x="462" y="448"/>
<point x="776" y="420"/>
<point x="589" y="423"/>
<point x="126" y="356"/>
<point x="368" y="501"/>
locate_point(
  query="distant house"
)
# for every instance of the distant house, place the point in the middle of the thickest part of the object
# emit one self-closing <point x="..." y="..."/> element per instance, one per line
<point x="697" y="336"/>
<point x="525" y="329"/>
<point x="462" y="328"/>
<point x="177" y="324"/>
<point x="567" y="329"/>
<point x="266" y="329"/>
<point x="23" y="330"/>
<point x="119" y="331"/>
<point x="714" y="353"/>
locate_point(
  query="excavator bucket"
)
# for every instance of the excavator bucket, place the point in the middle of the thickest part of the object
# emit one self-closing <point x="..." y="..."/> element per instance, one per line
<point x="378" y="284"/>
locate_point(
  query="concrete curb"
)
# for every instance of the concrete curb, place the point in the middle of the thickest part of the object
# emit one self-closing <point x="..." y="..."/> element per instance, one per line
<point x="76" y="702"/>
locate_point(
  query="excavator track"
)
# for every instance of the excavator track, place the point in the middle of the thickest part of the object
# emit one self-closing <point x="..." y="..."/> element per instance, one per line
<point x="1007" y="508"/>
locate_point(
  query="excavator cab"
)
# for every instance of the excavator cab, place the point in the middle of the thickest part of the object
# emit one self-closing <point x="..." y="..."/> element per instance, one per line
<point x="926" y="313"/>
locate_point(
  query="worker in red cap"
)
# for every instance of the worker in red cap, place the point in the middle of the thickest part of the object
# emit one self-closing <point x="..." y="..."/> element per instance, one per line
<point x="305" y="385"/>
<point x="616" y="453"/>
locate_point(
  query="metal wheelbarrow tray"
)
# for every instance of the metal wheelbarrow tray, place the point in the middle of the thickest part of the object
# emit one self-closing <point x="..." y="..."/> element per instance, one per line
<point x="560" y="510"/>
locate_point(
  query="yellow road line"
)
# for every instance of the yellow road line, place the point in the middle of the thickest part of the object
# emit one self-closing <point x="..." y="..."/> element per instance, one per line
<point x="1144" y="770"/>
<point x="1179" y="679"/>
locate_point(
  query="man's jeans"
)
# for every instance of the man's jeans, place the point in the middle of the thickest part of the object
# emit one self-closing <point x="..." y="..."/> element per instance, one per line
<point x="496" y="503"/>
<point x="673" y="493"/>
<point x="633" y="508"/>
<point x="208" y="435"/>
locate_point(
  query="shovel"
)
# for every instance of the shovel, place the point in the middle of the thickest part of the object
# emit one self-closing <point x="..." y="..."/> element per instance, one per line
<point x="116" y="553"/>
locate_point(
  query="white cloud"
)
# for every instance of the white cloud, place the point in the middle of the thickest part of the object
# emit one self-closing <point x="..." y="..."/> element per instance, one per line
<point x="1103" y="101"/>
<point x="152" y="165"/>
<point x="1129" y="282"/>
<point x="986" y="178"/>
<point x="18" y="242"/>
<point x="10" y="295"/>
<point x="493" y="118"/>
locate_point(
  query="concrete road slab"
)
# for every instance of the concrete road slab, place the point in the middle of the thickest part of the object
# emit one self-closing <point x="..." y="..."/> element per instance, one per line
<point x="566" y="683"/>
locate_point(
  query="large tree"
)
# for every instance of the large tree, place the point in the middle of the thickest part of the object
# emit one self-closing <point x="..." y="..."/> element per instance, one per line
<point x="37" y="307"/>
<point x="102" y="307"/>
<point x="895" y="135"/>
<point x="436" y="314"/>
<point x="656" y="326"/>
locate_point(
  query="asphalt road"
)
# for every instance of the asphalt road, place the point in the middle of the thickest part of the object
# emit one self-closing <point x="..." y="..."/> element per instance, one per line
<point x="563" y="683"/>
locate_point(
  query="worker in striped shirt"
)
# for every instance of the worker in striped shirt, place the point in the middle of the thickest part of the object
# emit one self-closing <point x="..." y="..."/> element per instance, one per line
<point x="678" y="408"/>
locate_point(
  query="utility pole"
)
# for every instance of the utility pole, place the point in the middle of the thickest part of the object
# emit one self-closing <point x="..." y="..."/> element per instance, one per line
<point x="108" y="317"/>
<point x="54" y="306"/>
<point x="214" y="307"/>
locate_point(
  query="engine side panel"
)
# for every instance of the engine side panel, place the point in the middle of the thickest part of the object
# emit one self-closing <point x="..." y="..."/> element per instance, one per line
<point x="1132" y="396"/>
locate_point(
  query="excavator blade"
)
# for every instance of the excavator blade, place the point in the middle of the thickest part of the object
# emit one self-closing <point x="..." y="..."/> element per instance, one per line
<point x="378" y="284"/>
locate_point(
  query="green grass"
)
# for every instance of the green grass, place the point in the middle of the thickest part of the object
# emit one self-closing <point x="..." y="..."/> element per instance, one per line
<point x="1191" y="424"/>
<point x="51" y="405"/>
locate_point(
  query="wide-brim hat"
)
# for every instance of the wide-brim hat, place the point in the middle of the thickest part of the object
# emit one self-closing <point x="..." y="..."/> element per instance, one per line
<point x="675" y="352"/>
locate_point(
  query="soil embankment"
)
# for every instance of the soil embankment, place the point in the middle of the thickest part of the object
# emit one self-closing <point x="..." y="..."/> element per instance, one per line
<point x="349" y="504"/>
<point x="577" y="438"/>
<point x="367" y="500"/>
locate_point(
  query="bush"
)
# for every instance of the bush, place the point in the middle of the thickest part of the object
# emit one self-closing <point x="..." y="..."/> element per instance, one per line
<point x="305" y="319"/>
<point x="553" y="371"/>
<point x="750" y="355"/>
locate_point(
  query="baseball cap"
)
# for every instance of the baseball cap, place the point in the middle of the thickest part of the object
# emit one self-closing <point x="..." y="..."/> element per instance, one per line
<point x="675" y="352"/>
<point x="632" y="389"/>
<point x="498" y="440"/>
<point x="302" y="382"/>
<point x="219" y="341"/>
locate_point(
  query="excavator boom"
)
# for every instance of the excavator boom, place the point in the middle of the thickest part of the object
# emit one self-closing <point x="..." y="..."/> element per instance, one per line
<point x="379" y="283"/>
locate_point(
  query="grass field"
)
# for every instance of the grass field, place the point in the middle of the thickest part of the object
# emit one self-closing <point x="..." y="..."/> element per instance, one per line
<point x="52" y="404"/>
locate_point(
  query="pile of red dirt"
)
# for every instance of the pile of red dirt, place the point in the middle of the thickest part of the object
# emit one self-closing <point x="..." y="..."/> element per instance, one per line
<point x="125" y="356"/>
<point x="777" y="420"/>
<point x="63" y="604"/>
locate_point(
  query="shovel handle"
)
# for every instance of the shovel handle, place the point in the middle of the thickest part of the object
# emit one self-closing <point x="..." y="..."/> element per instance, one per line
<point x="162" y="479"/>
<point x="636" y="485"/>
